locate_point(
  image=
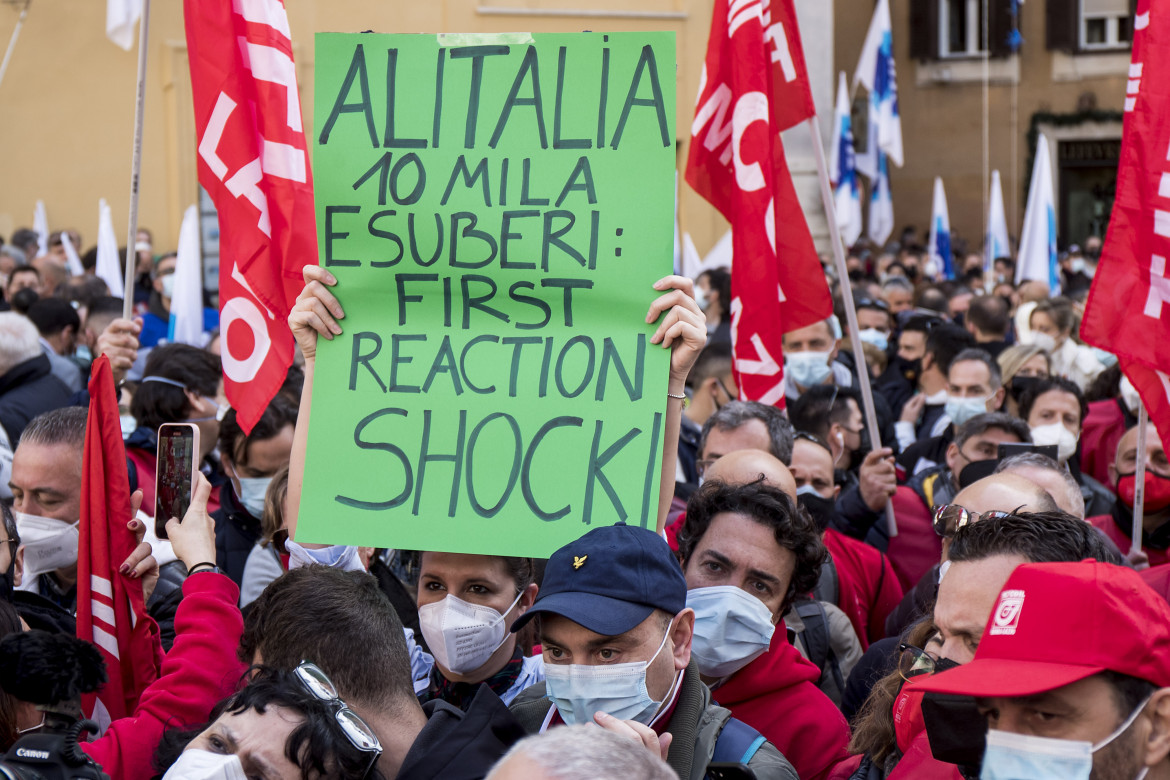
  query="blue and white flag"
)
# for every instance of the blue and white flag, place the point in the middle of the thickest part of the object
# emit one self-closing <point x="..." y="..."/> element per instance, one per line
<point x="1037" y="258"/>
<point x="881" y="205"/>
<point x="940" y="233"/>
<point x="995" y="242"/>
<point x="875" y="71"/>
<point x="186" y="325"/>
<point x="843" y="168"/>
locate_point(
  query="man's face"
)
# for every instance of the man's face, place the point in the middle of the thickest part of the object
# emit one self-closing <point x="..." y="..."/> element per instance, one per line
<point x="566" y="642"/>
<point x="21" y="280"/>
<point x="1085" y="711"/>
<point x="873" y="318"/>
<point x="738" y="551"/>
<point x="959" y="304"/>
<point x="969" y="379"/>
<point x="46" y="481"/>
<point x="165" y="267"/>
<point x="813" y="338"/>
<point x="984" y="446"/>
<point x="1126" y="461"/>
<point x="898" y="299"/>
<point x="851" y="431"/>
<point x="911" y="344"/>
<point x="1056" y="406"/>
<point x="966" y="597"/>
<point x="752" y="435"/>
<point x="813" y="465"/>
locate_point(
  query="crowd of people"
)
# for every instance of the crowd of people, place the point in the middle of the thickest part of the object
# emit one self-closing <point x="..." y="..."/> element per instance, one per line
<point x="776" y="624"/>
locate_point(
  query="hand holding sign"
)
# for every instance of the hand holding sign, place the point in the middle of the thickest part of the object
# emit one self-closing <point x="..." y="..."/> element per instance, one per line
<point x="684" y="328"/>
<point x="316" y="311"/>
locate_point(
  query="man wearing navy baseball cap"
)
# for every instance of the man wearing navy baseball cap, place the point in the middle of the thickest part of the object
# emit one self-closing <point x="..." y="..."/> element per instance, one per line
<point x="616" y="635"/>
<point x="1072" y="675"/>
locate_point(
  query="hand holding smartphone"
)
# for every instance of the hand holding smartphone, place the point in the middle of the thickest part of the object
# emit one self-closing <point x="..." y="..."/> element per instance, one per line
<point x="178" y="463"/>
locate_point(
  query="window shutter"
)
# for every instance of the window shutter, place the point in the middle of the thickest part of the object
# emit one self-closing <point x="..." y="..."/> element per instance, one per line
<point x="999" y="27"/>
<point x="1064" y="18"/>
<point x="924" y="29"/>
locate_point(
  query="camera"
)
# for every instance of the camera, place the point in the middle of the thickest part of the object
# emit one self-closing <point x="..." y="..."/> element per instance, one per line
<point x="51" y="671"/>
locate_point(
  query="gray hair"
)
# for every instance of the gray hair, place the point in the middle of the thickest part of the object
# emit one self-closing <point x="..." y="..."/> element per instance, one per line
<point x="15" y="252"/>
<point x="1038" y="461"/>
<point x="59" y="426"/>
<point x="975" y="354"/>
<point x="19" y="340"/>
<point x="737" y="413"/>
<point x="898" y="283"/>
<point x="982" y="423"/>
<point x="587" y="752"/>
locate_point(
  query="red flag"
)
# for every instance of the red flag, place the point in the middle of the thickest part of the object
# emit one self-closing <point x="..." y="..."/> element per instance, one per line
<point x="111" y="611"/>
<point x="254" y="162"/>
<point x="1128" y="311"/>
<point x="754" y="85"/>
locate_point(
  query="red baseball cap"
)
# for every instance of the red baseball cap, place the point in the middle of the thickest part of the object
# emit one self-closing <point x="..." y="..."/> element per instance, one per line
<point x="1057" y="623"/>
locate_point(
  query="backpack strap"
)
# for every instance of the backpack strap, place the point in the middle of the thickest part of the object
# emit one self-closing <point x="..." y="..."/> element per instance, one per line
<point x="829" y="585"/>
<point x="737" y="743"/>
<point x="818" y="642"/>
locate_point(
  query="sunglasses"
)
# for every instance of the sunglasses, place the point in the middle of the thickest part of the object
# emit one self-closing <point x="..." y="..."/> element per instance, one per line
<point x="356" y="730"/>
<point x="949" y="518"/>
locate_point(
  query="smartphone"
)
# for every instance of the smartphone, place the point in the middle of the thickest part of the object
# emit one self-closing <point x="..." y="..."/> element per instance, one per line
<point x="720" y="771"/>
<point x="1008" y="449"/>
<point x="178" y="463"/>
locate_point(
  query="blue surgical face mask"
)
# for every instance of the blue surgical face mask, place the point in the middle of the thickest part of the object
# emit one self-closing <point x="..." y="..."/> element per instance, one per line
<point x="83" y="353"/>
<point x="960" y="410"/>
<point x="732" y="629"/>
<point x="875" y="337"/>
<point x="1012" y="756"/>
<point x="580" y="691"/>
<point x="251" y="493"/>
<point x="808" y="368"/>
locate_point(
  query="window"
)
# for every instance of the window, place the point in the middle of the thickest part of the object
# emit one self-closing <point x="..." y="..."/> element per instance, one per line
<point x="960" y="28"/>
<point x="1105" y="24"/>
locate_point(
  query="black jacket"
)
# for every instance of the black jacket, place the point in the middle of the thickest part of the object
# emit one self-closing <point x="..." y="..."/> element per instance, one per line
<point x="457" y="745"/>
<point x="236" y="533"/>
<point x="28" y="389"/>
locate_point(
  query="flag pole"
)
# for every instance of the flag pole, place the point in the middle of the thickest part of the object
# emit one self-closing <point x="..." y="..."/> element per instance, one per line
<point x="136" y="165"/>
<point x="12" y="40"/>
<point x="863" y="380"/>
<point x="1139" y="491"/>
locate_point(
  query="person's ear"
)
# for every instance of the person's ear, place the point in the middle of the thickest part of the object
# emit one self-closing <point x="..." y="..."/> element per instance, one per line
<point x="927" y="366"/>
<point x="836" y="441"/>
<point x="528" y="597"/>
<point x="952" y="457"/>
<point x="997" y="399"/>
<point x="1113" y="474"/>
<point x="836" y="492"/>
<point x="1157" y="742"/>
<point x="681" y="634"/>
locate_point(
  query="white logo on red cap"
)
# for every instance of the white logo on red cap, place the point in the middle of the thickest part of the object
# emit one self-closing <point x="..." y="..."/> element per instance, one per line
<point x="1007" y="613"/>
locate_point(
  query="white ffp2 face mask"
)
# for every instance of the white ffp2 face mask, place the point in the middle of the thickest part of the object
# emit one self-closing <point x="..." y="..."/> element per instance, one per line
<point x="462" y="636"/>
<point x="195" y="764"/>
<point x="252" y="492"/>
<point x="1055" y="433"/>
<point x="48" y="544"/>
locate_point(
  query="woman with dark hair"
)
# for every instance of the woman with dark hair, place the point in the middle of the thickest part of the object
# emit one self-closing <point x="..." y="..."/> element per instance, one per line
<point x="713" y="294"/>
<point x="282" y="726"/>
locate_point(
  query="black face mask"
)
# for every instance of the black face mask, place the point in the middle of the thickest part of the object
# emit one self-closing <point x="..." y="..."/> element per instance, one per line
<point x="910" y="369"/>
<point x="1022" y="383"/>
<point x="819" y="508"/>
<point x="955" y="728"/>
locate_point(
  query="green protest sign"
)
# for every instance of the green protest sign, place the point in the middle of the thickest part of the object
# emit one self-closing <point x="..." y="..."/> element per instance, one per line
<point x="496" y="210"/>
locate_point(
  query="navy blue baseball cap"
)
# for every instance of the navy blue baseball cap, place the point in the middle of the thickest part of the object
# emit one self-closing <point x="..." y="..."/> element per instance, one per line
<point x="610" y="580"/>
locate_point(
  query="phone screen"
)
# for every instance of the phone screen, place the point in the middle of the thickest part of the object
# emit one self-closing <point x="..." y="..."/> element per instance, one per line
<point x="176" y="465"/>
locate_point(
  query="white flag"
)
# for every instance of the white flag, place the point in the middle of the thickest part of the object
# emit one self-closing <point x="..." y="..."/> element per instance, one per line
<point x="692" y="264"/>
<point x="1037" y="258"/>
<point x="995" y="243"/>
<point x="843" y="168"/>
<point x="940" y="233"/>
<point x="186" y="326"/>
<point x="109" y="265"/>
<point x="41" y="225"/>
<point x="72" y="261"/>
<point x="121" y="19"/>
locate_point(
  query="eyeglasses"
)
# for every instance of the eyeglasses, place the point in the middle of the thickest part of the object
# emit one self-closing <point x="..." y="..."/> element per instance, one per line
<point x="913" y="661"/>
<point x="949" y="518"/>
<point x="356" y="730"/>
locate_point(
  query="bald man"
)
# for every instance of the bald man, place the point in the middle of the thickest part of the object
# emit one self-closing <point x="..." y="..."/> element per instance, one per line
<point x="1118" y="525"/>
<point x="858" y="578"/>
<point x="1003" y="492"/>
<point x="743" y="466"/>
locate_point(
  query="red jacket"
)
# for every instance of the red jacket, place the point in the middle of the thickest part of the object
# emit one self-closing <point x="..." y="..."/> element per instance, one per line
<point x="200" y="670"/>
<point x="1158" y="578"/>
<point x="917" y="547"/>
<point x="869" y="588"/>
<point x="1109" y="526"/>
<point x="776" y="694"/>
